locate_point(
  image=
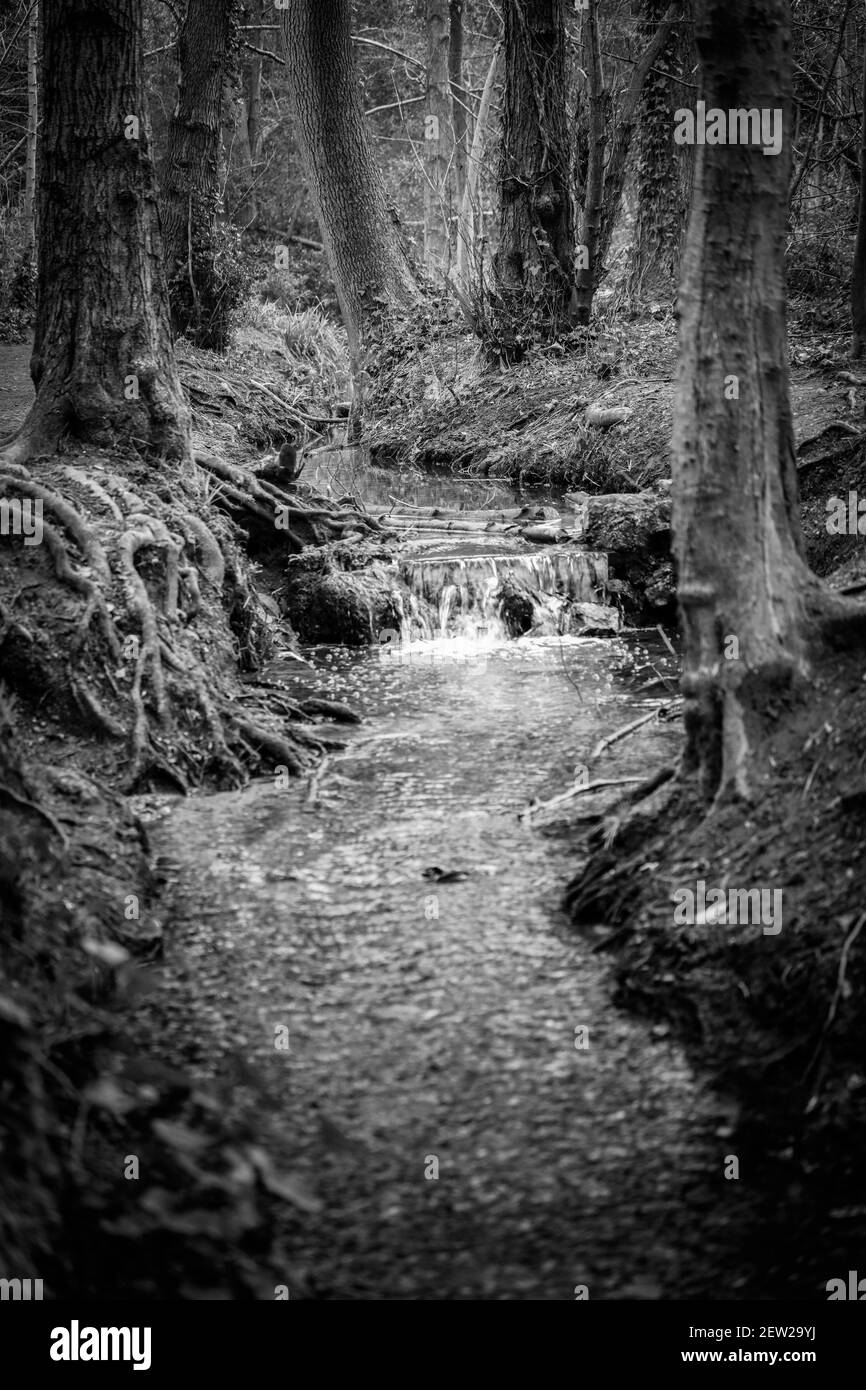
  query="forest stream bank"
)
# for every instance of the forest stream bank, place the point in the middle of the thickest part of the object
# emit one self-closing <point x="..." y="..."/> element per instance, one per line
<point x="355" y="1023"/>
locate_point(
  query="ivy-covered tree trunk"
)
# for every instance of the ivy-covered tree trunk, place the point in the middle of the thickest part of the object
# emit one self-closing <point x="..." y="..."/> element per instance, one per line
<point x="602" y="209"/>
<point x="202" y="285"/>
<point x="103" y="362"/>
<point x="664" y="169"/>
<point x="743" y="584"/>
<point x="361" y="234"/>
<point x="534" y="262"/>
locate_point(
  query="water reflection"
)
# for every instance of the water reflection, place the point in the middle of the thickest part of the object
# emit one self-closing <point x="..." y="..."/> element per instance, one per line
<point x="335" y="472"/>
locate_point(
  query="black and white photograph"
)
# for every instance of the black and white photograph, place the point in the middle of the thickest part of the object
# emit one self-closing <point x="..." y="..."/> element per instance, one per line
<point x="432" y="669"/>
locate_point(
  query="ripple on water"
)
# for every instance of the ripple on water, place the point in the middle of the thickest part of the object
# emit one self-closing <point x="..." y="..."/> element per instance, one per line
<point x="406" y="929"/>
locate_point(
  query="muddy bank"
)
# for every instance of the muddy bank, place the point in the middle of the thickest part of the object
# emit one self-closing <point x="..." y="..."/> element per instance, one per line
<point x="444" y="408"/>
<point x="536" y="425"/>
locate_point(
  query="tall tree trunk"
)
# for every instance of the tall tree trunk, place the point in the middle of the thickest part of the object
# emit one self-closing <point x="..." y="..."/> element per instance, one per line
<point x="590" y="221"/>
<point x="459" y="95"/>
<point x="438" y="143"/>
<point x="361" y="234"/>
<point x="534" y="262"/>
<point x="601" y="225"/>
<point x="103" y="363"/>
<point x="246" y="214"/>
<point x="32" y="123"/>
<point x="190" y="201"/>
<point x="743" y="583"/>
<point x="468" y="267"/>
<point x="664" y="169"/>
<point x="253" y="112"/>
<point x="858" y="278"/>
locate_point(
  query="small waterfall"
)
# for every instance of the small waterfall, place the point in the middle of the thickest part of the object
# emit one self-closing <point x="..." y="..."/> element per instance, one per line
<point x="498" y="596"/>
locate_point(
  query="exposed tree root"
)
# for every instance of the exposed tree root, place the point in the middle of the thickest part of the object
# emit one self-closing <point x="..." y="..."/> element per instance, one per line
<point x="95" y="600"/>
<point x="210" y="558"/>
<point x="92" y="707"/>
<point x="313" y="521"/>
<point x="39" y="811"/>
<point x="79" y="476"/>
<point x="277" y="748"/>
<point x="93" y="553"/>
<point x="145" y="568"/>
<point x="330" y="709"/>
<point x="30" y="441"/>
<point x="141" y="607"/>
<point x="841" y="619"/>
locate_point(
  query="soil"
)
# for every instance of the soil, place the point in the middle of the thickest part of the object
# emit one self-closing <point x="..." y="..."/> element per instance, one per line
<point x="775" y="1018"/>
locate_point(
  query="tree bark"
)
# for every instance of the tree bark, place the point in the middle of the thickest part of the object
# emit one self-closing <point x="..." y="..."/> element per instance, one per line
<point x="361" y="234"/>
<point x="438" y="145"/>
<point x="32" y="123"/>
<point x="590" y="221"/>
<point x="534" y="262"/>
<point x="247" y="212"/>
<point x="858" y="277"/>
<point x="664" y="169"/>
<point x="190" y="199"/>
<point x="468" y="261"/>
<point x="102" y="363"/>
<point x="743" y="584"/>
<point x="614" y="174"/>
<point x="459" y="95"/>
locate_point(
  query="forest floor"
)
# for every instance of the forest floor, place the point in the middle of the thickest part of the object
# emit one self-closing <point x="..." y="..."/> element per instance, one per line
<point x="526" y="425"/>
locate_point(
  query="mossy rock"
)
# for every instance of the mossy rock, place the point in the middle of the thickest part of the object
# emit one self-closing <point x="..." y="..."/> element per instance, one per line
<point x="343" y="609"/>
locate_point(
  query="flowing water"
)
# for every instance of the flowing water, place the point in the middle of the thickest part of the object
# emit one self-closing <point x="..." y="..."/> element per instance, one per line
<point x="459" y="1092"/>
<point x="465" y="593"/>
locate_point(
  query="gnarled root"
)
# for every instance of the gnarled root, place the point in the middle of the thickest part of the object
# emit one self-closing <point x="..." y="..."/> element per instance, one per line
<point x="136" y="667"/>
<point x="259" y="504"/>
<point x="278" y="749"/>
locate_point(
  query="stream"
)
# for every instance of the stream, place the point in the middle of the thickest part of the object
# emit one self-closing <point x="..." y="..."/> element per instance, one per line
<point x="452" y="1081"/>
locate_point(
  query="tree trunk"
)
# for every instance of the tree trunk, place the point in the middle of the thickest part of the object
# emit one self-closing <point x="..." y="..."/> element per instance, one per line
<point x="361" y="234"/>
<point x="190" y="200"/>
<point x="590" y="221"/>
<point x="469" y="271"/>
<point x="32" y="123"/>
<point x="459" y="96"/>
<point x="858" y="278"/>
<point x="247" y="212"/>
<point x="102" y="363"/>
<point x="437" y="142"/>
<point x="743" y="584"/>
<point x="534" y="262"/>
<point x="614" y="174"/>
<point x="665" y="170"/>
